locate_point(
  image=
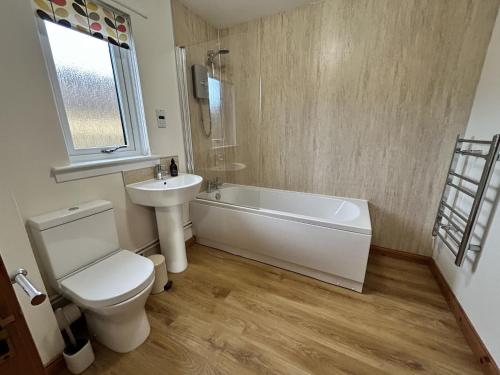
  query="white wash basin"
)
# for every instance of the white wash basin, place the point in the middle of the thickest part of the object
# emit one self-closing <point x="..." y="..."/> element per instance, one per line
<point x="167" y="197"/>
<point x="165" y="193"/>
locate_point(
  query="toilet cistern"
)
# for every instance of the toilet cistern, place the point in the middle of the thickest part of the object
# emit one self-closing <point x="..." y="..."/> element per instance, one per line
<point x="167" y="197"/>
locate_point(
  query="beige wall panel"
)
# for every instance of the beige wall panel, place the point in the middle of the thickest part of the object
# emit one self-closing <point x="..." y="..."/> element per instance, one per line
<point x="363" y="99"/>
<point x="359" y="99"/>
<point x="189" y="28"/>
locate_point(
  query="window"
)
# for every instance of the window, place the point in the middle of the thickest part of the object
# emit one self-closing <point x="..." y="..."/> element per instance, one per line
<point x="96" y="89"/>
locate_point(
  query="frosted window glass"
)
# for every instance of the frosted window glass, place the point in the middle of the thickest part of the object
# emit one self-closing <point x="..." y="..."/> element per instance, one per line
<point x="87" y="83"/>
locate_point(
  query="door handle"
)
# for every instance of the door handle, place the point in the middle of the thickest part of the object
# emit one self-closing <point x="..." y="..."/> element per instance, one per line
<point x="4" y="322"/>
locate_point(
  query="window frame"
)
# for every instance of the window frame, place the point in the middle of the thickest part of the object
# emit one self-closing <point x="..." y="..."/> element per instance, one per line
<point x="129" y="98"/>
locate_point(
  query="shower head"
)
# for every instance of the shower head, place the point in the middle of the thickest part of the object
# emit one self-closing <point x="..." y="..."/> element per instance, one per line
<point x="213" y="54"/>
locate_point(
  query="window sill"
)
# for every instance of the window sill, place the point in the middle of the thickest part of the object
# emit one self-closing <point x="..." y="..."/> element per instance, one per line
<point x="76" y="171"/>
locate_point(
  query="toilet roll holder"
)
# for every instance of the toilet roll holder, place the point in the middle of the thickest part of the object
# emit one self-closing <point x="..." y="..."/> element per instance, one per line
<point x="36" y="296"/>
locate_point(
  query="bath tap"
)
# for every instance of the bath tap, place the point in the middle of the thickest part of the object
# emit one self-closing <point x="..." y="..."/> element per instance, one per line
<point x="214" y="185"/>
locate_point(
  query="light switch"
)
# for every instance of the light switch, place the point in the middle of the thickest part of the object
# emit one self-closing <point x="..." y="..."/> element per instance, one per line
<point x="161" y="118"/>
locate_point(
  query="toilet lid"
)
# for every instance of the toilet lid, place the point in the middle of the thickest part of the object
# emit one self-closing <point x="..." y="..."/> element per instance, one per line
<point x="110" y="281"/>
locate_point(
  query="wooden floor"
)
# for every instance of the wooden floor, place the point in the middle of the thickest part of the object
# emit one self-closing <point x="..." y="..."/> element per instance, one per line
<point x="229" y="315"/>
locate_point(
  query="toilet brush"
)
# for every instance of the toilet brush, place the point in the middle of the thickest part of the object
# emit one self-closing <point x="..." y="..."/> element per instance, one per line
<point x="65" y="326"/>
<point x="79" y="355"/>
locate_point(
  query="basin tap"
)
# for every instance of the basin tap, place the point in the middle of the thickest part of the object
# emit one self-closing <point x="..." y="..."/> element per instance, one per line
<point x="160" y="173"/>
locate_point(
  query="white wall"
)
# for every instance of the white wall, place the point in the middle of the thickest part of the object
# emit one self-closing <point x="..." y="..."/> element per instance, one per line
<point x="31" y="139"/>
<point x="476" y="283"/>
<point x="16" y="253"/>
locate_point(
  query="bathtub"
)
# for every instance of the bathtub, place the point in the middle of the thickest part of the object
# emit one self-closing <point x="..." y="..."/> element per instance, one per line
<point x="324" y="237"/>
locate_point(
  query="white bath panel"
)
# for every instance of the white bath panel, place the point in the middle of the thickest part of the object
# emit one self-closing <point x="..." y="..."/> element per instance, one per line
<point x="331" y="255"/>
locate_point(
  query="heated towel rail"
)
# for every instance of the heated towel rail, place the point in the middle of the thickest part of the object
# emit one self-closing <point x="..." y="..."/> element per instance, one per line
<point x="458" y="227"/>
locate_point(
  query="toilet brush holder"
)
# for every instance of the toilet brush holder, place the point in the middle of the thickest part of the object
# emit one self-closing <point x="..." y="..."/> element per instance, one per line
<point x="78" y="358"/>
<point x="161" y="282"/>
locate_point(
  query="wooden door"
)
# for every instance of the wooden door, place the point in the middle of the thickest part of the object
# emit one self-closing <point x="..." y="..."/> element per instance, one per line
<point x="18" y="354"/>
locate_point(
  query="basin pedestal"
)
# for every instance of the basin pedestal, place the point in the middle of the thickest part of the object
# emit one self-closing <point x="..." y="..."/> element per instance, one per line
<point x="167" y="197"/>
<point x="171" y="233"/>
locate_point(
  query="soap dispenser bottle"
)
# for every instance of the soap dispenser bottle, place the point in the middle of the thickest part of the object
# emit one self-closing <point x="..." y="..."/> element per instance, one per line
<point x="174" y="171"/>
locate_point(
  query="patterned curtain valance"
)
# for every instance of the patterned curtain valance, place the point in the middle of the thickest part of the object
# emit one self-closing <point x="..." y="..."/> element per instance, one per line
<point x="88" y="17"/>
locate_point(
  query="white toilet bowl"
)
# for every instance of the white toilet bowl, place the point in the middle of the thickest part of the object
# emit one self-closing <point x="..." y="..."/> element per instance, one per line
<point x="83" y="260"/>
<point x="112" y="294"/>
<point x="122" y="327"/>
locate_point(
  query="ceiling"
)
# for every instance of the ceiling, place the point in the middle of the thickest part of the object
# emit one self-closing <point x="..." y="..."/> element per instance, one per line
<point x="223" y="13"/>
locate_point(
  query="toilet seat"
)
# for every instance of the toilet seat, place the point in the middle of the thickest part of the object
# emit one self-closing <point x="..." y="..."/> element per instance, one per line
<point x="110" y="281"/>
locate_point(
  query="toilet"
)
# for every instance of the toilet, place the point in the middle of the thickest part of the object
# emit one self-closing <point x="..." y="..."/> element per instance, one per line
<point x="83" y="261"/>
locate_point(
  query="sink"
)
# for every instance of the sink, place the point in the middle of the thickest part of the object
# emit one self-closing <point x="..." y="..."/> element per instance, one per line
<point x="167" y="197"/>
<point x="165" y="193"/>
